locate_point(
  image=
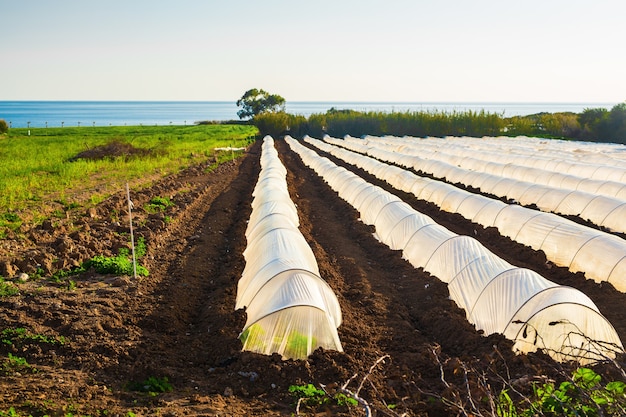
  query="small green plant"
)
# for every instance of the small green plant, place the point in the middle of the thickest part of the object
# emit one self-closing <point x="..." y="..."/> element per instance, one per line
<point x="140" y="247"/>
<point x="59" y="276"/>
<point x="344" y="400"/>
<point x="312" y="396"/>
<point x="10" y="413"/>
<point x="39" y="273"/>
<point x="7" y="289"/>
<point x="153" y="386"/>
<point x="158" y="204"/>
<point x="118" y="265"/>
<point x="16" y="364"/>
<point x="20" y="336"/>
<point x="298" y="344"/>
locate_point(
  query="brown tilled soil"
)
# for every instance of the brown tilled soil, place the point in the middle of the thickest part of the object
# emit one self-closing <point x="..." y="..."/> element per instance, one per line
<point x="406" y="344"/>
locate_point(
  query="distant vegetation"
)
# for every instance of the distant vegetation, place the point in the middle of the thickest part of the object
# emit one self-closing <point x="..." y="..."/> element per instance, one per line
<point x="598" y="124"/>
<point x="603" y="125"/>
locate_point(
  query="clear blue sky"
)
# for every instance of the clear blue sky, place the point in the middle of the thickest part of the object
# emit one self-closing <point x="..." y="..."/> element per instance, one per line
<point x="322" y="50"/>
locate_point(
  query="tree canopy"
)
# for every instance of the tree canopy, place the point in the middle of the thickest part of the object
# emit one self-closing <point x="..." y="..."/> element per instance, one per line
<point x="255" y="102"/>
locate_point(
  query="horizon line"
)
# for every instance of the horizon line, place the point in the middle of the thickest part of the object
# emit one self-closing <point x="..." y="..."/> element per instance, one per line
<point x="311" y="101"/>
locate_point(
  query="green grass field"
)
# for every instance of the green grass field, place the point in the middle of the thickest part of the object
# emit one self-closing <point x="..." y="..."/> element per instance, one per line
<point x="38" y="166"/>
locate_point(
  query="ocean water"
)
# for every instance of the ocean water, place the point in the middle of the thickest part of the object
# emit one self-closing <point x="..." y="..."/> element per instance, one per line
<point x="38" y="114"/>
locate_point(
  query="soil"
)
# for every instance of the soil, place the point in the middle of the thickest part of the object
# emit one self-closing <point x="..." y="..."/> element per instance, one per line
<point x="406" y="344"/>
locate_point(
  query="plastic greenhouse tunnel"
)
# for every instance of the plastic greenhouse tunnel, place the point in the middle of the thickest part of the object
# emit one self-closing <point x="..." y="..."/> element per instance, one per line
<point x="564" y="184"/>
<point x="290" y="309"/>
<point x="563" y="241"/>
<point x="533" y="312"/>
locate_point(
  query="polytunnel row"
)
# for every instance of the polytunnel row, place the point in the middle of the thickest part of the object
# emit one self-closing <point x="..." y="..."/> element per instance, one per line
<point x="556" y="172"/>
<point x="497" y="296"/>
<point x="587" y="159"/>
<point x="290" y="309"/>
<point x="601" y="256"/>
<point x="601" y="210"/>
<point x="539" y="152"/>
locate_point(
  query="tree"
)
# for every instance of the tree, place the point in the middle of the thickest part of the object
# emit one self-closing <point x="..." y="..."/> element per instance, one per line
<point x="593" y="122"/>
<point x="617" y="123"/>
<point x="255" y="102"/>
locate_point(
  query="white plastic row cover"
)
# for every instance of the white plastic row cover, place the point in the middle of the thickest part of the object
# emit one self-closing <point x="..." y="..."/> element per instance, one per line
<point x="567" y="191"/>
<point x="497" y="296"/>
<point x="595" y="161"/>
<point x="290" y="309"/>
<point x="601" y="256"/>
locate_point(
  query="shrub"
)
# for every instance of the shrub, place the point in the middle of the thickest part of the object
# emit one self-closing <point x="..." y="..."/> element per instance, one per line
<point x="4" y="127"/>
<point x="274" y="124"/>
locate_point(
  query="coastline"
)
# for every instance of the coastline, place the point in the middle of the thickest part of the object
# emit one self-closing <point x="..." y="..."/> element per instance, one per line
<point x="58" y="113"/>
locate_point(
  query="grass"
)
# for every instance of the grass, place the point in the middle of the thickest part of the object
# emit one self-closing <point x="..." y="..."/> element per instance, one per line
<point x="36" y="170"/>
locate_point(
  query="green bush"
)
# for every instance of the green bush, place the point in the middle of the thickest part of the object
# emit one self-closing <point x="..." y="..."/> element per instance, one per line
<point x="4" y="127"/>
<point x="273" y="124"/>
<point x="280" y="124"/>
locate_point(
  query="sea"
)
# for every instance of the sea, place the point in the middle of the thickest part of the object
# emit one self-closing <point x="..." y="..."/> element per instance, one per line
<point x="37" y="114"/>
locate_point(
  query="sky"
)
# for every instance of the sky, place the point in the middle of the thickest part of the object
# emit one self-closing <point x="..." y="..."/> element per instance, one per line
<point x="321" y="50"/>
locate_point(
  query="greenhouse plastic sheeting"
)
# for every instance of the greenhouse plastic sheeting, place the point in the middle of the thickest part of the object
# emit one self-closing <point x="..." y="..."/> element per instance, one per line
<point x="290" y="309"/>
<point x="600" y="255"/>
<point x="555" y="186"/>
<point x="509" y="156"/>
<point x="497" y="296"/>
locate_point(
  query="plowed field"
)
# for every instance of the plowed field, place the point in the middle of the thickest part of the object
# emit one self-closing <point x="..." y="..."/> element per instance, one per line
<point x="180" y="323"/>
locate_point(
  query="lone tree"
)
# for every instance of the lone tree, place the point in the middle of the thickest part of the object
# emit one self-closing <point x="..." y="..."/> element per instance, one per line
<point x="255" y="102"/>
